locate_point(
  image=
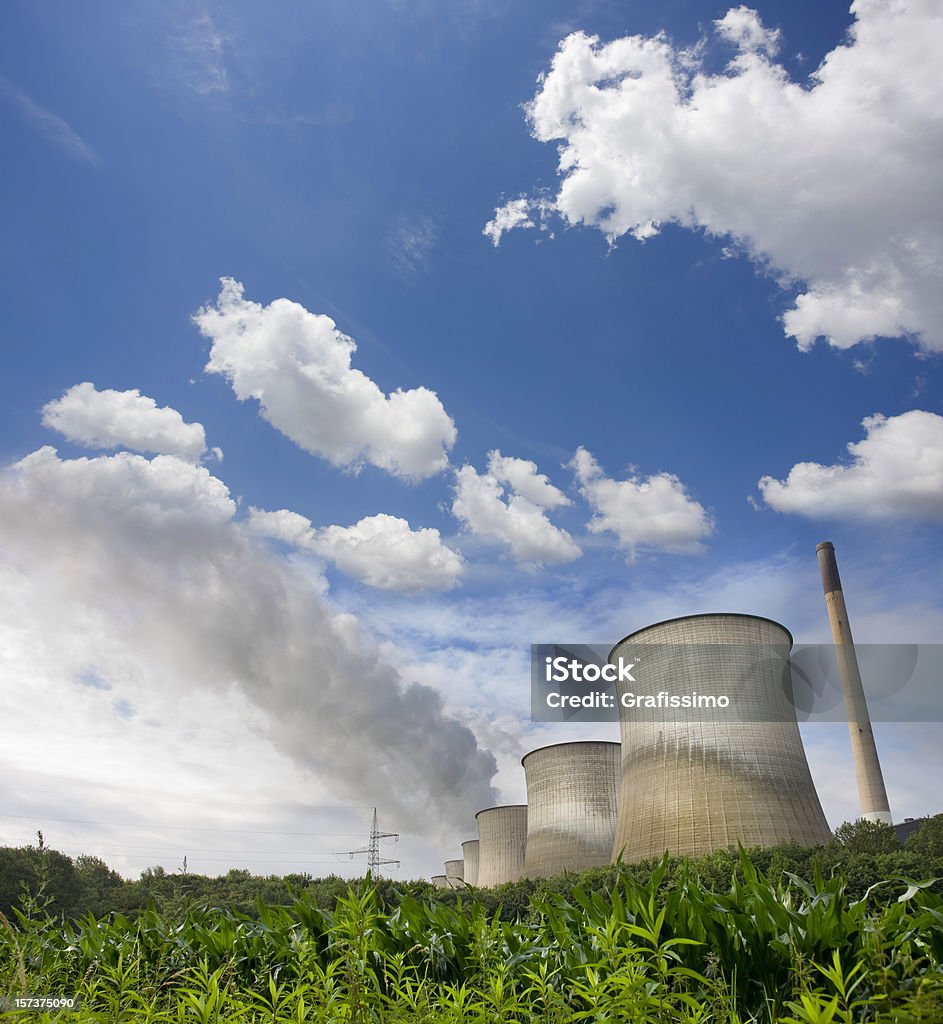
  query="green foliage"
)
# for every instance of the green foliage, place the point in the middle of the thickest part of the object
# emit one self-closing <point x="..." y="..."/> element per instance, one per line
<point x="782" y="934"/>
<point x="649" y="944"/>
<point x="29" y="868"/>
<point x="927" y="841"/>
<point x="862" y="852"/>
<point x="863" y="836"/>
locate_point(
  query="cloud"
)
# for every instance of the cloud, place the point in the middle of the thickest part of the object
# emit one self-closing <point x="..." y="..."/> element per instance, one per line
<point x="742" y="27"/>
<point x="524" y="479"/>
<point x="48" y="124"/>
<point x="409" y="242"/>
<point x="834" y="186"/>
<point x="896" y="471"/>
<point x="138" y="572"/>
<point x="199" y="53"/>
<point x="515" y="214"/>
<point x="381" y="551"/>
<point x="123" y="419"/>
<point x="651" y="513"/>
<point x="296" y="364"/>
<point x="517" y="520"/>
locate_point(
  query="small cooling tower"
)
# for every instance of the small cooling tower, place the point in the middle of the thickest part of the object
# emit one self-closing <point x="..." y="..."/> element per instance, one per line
<point x="699" y="781"/>
<point x="502" y="835"/>
<point x="470" y="862"/>
<point x="454" y="874"/>
<point x="572" y="794"/>
<point x="440" y="882"/>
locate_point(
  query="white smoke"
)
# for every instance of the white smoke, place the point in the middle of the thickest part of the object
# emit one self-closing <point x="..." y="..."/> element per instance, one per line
<point x="141" y="574"/>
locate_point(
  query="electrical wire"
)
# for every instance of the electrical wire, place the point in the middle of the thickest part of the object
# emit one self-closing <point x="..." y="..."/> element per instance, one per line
<point x="178" y="828"/>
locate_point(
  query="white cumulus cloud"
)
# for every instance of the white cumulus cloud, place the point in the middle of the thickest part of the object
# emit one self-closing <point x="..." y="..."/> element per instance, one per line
<point x="515" y="214"/>
<point x="140" y="575"/>
<point x="517" y="519"/>
<point x="123" y="419"/>
<point x="833" y="185"/>
<point x="296" y="364"/>
<point x="742" y="27"/>
<point x="896" y="471"/>
<point x="525" y="480"/>
<point x="381" y="551"/>
<point x="645" y="513"/>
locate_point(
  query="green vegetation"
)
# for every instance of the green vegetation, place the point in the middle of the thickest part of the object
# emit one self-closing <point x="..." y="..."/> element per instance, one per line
<point x="864" y="852"/>
<point x="661" y="943"/>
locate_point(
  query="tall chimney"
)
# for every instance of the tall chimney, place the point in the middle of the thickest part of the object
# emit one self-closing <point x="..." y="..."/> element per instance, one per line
<point x="871" y="792"/>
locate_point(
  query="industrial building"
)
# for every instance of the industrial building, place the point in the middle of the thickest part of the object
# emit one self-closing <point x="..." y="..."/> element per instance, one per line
<point x="871" y="792"/>
<point x="572" y="795"/>
<point x="502" y="836"/>
<point x="454" y="874"/>
<point x="686" y="781"/>
<point x="702" y="781"/>
<point x="470" y="861"/>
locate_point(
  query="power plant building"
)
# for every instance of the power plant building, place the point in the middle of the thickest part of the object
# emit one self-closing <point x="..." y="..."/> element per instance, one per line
<point x="470" y="861"/>
<point x="572" y="796"/>
<point x="502" y="836"/>
<point x="871" y="791"/>
<point x="697" y="781"/>
<point x="454" y="874"/>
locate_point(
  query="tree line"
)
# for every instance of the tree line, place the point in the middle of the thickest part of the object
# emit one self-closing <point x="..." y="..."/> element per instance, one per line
<point x="44" y="879"/>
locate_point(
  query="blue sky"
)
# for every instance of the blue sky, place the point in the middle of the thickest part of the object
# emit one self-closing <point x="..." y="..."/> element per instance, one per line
<point x="667" y="262"/>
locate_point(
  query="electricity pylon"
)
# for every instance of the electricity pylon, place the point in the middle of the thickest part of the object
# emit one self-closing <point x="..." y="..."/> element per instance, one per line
<point x="372" y="849"/>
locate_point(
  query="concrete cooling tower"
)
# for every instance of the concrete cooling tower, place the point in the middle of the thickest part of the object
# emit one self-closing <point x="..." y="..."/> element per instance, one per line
<point x="470" y="861"/>
<point x="502" y="834"/>
<point x="572" y="794"/>
<point x="440" y="882"/>
<point x="697" y="781"/>
<point x="454" y="874"/>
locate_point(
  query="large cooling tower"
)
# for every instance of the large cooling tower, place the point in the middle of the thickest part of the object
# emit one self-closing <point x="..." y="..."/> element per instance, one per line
<point x="454" y="874"/>
<point x="699" y="781"/>
<point x="502" y="835"/>
<point x="470" y="862"/>
<point x="572" y="795"/>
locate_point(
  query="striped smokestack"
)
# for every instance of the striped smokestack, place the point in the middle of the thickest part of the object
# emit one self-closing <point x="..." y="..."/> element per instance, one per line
<point x="871" y="792"/>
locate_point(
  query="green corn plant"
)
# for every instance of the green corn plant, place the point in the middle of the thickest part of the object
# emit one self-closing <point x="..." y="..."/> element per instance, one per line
<point x="204" y="998"/>
<point x="657" y="947"/>
<point x="845" y="983"/>
<point x="542" y="991"/>
<point x="12" y="960"/>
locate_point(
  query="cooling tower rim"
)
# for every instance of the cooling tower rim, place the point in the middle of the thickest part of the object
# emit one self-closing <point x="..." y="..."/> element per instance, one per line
<point x="499" y="807"/>
<point x="706" y="615"/>
<point x="468" y="842"/>
<point x="572" y="743"/>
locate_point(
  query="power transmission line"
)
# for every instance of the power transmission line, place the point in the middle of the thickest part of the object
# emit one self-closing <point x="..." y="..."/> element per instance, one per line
<point x="176" y="828"/>
<point x="156" y="848"/>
